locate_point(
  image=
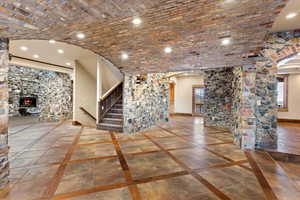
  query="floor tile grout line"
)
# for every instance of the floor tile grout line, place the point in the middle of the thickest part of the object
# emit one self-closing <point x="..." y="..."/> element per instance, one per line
<point x="38" y="139"/>
<point x="205" y="148"/>
<point x="138" y="181"/>
<point x="203" y="181"/>
<point x="126" y="154"/>
<point x="182" y="136"/>
<point x="89" y="191"/>
<point x="280" y="165"/>
<point x="134" y="191"/>
<point x="267" y="189"/>
<point x="52" y="187"/>
<point x="23" y="129"/>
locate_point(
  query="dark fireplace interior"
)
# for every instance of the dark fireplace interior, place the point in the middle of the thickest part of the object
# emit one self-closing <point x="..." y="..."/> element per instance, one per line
<point x="28" y="102"/>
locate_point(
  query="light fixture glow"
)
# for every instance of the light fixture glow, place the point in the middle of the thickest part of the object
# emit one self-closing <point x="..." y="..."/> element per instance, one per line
<point x="36" y="56"/>
<point x="226" y="41"/>
<point x="69" y="64"/>
<point x="23" y="48"/>
<point x="168" y="50"/>
<point x="80" y="35"/>
<point x="136" y="21"/>
<point x="124" y="56"/>
<point x="52" y="41"/>
<point x="291" y="15"/>
<point x="60" y="51"/>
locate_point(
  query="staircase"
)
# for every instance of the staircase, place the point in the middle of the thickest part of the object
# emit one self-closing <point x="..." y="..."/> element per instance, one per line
<point x="111" y="110"/>
<point x="113" y="119"/>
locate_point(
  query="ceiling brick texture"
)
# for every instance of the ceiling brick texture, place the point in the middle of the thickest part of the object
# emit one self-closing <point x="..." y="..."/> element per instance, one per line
<point x="193" y="28"/>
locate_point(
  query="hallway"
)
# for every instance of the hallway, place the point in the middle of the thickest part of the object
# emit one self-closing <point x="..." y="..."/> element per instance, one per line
<point x="178" y="160"/>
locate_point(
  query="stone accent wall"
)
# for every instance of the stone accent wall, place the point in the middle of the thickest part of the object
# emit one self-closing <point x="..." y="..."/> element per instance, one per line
<point x="145" y="101"/>
<point x="218" y="97"/>
<point x="4" y="165"/>
<point x="53" y="91"/>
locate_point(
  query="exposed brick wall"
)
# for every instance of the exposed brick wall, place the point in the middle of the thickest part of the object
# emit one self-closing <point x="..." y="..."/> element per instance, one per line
<point x="4" y="165"/>
<point x="194" y="28"/>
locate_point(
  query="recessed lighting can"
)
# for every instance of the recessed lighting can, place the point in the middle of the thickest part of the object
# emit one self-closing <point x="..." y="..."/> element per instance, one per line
<point x="67" y="63"/>
<point x="291" y="15"/>
<point x="23" y="48"/>
<point x="36" y="56"/>
<point x="136" y="21"/>
<point x="168" y="50"/>
<point x="80" y="35"/>
<point x="124" y="56"/>
<point x="60" y="51"/>
<point x="226" y="41"/>
<point x="52" y="41"/>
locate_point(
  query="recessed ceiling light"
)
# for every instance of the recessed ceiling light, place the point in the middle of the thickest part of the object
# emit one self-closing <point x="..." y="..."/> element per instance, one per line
<point x="60" y="51"/>
<point x="36" y="56"/>
<point x="52" y="41"/>
<point x="168" y="50"/>
<point x="124" y="56"/>
<point x="80" y="35"/>
<point x="23" y="48"/>
<point x="291" y="15"/>
<point x="136" y="21"/>
<point x="69" y="64"/>
<point x="226" y="41"/>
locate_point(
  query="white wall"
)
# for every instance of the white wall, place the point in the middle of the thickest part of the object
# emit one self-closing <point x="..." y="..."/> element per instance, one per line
<point x="184" y="93"/>
<point x="293" y="98"/>
<point x="110" y="75"/>
<point x="84" y="95"/>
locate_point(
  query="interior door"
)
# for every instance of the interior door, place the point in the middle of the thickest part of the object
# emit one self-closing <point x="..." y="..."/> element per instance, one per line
<point x="198" y="100"/>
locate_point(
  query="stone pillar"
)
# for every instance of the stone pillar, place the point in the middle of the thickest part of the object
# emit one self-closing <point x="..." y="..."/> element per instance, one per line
<point x="243" y="99"/>
<point x="218" y="97"/>
<point x="145" y="101"/>
<point x="266" y="105"/>
<point x="4" y="165"/>
<point x="244" y="106"/>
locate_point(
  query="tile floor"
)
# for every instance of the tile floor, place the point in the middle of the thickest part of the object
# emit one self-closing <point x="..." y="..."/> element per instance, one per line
<point x="178" y="160"/>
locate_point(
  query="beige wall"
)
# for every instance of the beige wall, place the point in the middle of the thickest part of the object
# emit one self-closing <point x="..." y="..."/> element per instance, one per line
<point x="293" y="98"/>
<point x="37" y="65"/>
<point x="110" y="75"/>
<point x="84" y="95"/>
<point x="183" y="93"/>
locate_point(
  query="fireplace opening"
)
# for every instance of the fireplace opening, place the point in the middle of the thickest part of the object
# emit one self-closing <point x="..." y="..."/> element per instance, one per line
<point x="28" y="102"/>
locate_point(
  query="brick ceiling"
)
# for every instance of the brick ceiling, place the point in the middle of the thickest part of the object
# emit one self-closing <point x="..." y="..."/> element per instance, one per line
<point x="193" y="28"/>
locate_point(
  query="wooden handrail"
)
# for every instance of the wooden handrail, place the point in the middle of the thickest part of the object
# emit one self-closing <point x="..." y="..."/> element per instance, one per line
<point x="110" y="90"/>
<point x="86" y="112"/>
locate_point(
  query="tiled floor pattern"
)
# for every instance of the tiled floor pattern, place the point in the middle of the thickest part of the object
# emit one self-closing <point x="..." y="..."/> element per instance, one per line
<point x="178" y="160"/>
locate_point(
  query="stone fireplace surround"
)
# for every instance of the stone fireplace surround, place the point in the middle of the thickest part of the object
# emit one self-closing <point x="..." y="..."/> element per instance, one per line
<point x="52" y="90"/>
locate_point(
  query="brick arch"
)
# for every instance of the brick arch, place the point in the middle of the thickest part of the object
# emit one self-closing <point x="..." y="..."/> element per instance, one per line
<point x="281" y="46"/>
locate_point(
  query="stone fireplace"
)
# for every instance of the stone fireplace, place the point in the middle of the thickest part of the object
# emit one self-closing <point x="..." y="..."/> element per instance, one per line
<point x="41" y="93"/>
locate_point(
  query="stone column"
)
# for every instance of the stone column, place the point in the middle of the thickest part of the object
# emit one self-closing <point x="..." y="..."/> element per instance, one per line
<point x="4" y="165"/>
<point x="244" y="106"/>
<point x="218" y="97"/>
<point x="244" y="100"/>
<point x="266" y="105"/>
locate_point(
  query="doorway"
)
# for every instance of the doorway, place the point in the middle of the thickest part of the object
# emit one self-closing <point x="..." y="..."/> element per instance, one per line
<point x="172" y="97"/>
<point x="198" y="100"/>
